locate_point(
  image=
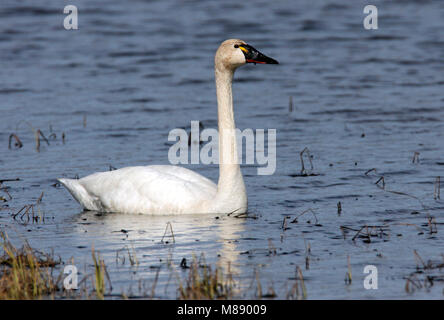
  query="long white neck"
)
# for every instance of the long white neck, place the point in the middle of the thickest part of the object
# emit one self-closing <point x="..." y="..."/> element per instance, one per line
<point x="230" y="188"/>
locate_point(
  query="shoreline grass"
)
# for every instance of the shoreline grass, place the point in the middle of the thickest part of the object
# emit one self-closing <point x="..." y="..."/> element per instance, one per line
<point x="26" y="273"/>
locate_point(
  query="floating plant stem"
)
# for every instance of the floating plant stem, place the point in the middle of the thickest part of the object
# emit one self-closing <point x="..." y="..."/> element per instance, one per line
<point x="258" y="283"/>
<point x="419" y="259"/>
<point x="410" y="225"/>
<point x="370" y="170"/>
<point x="271" y="248"/>
<point x="412" y="283"/>
<point x="437" y="193"/>
<point x="171" y="231"/>
<point x="132" y="256"/>
<point x="359" y="232"/>
<point x="39" y="134"/>
<point x="29" y="212"/>
<point x="303" y="170"/>
<point x="5" y="190"/>
<point x="284" y="225"/>
<point x="153" y="288"/>
<point x="348" y="274"/>
<point x="381" y="179"/>
<point x="415" y="157"/>
<point x="18" y="143"/>
<point x="307" y="254"/>
<point x="365" y="232"/>
<point x="432" y="225"/>
<point x="301" y="279"/>
<point x="295" y="220"/>
<point x="9" y="180"/>
<point x="40" y="198"/>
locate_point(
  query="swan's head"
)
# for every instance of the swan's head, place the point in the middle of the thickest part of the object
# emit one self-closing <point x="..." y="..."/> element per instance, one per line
<point x="234" y="53"/>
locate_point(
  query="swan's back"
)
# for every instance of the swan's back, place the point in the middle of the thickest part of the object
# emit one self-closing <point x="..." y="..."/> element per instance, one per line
<point x="159" y="189"/>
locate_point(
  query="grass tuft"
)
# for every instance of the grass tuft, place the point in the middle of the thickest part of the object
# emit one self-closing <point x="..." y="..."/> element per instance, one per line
<point x="204" y="282"/>
<point x="26" y="273"/>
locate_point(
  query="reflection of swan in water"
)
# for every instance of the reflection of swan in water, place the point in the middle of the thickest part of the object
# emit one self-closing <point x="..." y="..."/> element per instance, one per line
<point x="164" y="189"/>
<point x="193" y="234"/>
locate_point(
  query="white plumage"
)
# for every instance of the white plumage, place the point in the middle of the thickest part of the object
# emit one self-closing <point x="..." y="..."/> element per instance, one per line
<point x="165" y="189"/>
<point x="151" y="189"/>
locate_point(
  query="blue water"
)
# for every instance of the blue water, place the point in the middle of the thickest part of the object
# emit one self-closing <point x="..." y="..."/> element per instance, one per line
<point x="134" y="70"/>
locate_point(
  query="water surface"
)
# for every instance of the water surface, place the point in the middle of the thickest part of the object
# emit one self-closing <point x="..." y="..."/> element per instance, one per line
<point x="137" y="69"/>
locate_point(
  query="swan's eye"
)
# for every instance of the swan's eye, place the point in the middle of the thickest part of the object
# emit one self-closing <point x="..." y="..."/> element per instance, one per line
<point x="236" y="46"/>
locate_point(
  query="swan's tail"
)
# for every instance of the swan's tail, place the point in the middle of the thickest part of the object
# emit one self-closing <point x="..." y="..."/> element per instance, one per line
<point x="81" y="195"/>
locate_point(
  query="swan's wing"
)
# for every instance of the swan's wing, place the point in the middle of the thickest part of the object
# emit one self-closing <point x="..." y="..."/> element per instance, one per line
<point x="150" y="189"/>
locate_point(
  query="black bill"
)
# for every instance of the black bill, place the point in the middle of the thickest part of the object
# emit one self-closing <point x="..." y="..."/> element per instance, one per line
<point x="254" y="56"/>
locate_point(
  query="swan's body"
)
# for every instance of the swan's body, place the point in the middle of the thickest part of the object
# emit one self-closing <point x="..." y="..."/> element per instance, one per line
<point x="166" y="189"/>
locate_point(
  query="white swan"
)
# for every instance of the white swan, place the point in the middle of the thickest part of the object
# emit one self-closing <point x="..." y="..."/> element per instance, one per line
<point x="167" y="189"/>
